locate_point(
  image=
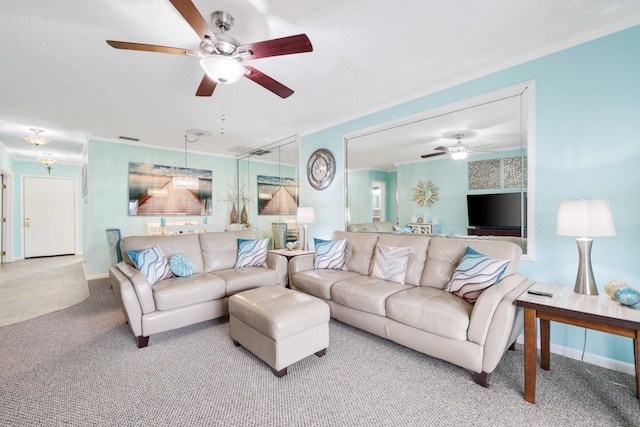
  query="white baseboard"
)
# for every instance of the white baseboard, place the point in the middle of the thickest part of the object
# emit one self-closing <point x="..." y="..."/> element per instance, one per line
<point x="605" y="362"/>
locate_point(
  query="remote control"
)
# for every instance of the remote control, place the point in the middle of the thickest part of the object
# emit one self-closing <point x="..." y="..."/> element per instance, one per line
<point x="540" y="293"/>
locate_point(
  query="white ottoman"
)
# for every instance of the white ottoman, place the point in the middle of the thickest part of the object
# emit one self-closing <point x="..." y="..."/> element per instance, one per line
<point x="279" y="325"/>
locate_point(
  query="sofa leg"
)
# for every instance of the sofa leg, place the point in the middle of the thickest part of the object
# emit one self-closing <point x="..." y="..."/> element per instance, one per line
<point x="321" y="352"/>
<point x="143" y="341"/>
<point x="281" y="373"/>
<point x="482" y="378"/>
<point x="236" y="343"/>
<point x="512" y="347"/>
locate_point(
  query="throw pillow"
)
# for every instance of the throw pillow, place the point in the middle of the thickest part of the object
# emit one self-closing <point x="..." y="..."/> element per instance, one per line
<point x="252" y="253"/>
<point x="402" y="228"/>
<point x="390" y="263"/>
<point x="329" y="254"/>
<point x="181" y="265"/>
<point x="475" y="273"/>
<point x="152" y="264"/>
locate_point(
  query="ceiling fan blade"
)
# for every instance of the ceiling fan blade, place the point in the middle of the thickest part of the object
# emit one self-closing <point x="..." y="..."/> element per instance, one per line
<point x="426" y="156"/>
<point x="152" y="48"/>
<point x="284" y="46"/>
<point x="267" y="82"/>
<point x="441" y="148"/>
<point x="207" y="86"/>
<point x="193" y="17"/>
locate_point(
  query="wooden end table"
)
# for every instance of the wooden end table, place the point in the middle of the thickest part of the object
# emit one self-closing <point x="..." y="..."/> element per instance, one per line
<point x="290" y="254"/>
<point x="598" y="312"/>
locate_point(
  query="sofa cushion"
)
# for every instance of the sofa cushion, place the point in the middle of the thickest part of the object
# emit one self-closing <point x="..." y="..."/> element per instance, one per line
<point x="181" y="265"/>
<point x="329" y="254"/>
<point x="243" y="278"/>
<point x="179" y="292"/>
<point x="359" y="250"/>
<point x="319" y="282"/>
<point x="444" y="255"/>
<point x="475" y="273"/>
<point x="365" y="293"/>
<point x="432" y="310"/>
<point x="252" y="253"/>
<point x="390" y="263"/>
<point x="220" y="249"/>
<point x="152" y="264"/>
<point x="418" y="256"/>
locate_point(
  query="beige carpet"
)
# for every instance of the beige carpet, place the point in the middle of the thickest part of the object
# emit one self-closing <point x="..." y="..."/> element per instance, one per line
<point x="80" y="366"/>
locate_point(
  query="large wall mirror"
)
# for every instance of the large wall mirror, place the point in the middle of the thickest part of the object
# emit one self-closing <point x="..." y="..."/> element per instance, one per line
<point x="461" y="169"/>
<point x="269" y="190"/>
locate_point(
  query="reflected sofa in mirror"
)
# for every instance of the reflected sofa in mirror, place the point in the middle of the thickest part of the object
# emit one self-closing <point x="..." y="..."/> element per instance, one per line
<point x="408" y="155"/>
<point x="269" y="177"/>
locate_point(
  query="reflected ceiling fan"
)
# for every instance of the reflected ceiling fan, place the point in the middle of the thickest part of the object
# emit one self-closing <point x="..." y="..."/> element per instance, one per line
<point x="458" y="151"/>
<point x="221" y="55"/>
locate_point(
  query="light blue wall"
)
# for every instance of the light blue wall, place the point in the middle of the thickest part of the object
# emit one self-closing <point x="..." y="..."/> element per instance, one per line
<point x="587" y="127"/>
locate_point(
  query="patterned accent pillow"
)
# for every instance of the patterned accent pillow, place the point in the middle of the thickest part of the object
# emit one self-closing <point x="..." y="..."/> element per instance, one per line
<point x="252" y="253"/>
<point x="475" y="273"/>
<point x="390" y="263"/>
<point x="181" y="265"/>
<point x="152" y="264"/>
<point x="330" y="254"/>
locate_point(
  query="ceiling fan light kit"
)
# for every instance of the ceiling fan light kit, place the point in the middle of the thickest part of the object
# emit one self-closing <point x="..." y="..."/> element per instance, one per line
<point x="222" y="69"/>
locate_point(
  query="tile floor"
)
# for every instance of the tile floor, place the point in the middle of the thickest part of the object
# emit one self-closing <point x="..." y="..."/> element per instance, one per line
<point x="32" y="287"/>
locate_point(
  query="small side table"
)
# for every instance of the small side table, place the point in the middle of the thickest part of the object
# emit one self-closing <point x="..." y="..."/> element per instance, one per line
<point x="421" y="227"/>
<point x="598" y="312"/>
<point x="290" y="254"/>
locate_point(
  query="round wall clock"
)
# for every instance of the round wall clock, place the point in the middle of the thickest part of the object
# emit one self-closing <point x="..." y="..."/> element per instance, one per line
<point x="321" y="168"/>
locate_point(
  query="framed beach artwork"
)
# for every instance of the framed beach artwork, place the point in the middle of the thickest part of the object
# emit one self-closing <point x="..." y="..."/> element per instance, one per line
<point x="157" y="190"/>
<point x="277" y="195"/>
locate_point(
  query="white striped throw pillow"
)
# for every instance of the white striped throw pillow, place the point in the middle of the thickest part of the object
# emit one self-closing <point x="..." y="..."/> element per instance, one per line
<point x="475" y="273"/>
<point x="390" y="263"/>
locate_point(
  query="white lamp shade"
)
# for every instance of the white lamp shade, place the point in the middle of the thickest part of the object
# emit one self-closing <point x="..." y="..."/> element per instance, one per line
<point x="306" y="216"/>
<point x="222" y="69"/>
<point x="585" y="218"/>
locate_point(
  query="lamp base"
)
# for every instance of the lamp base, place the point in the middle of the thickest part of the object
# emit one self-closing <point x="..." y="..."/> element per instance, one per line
<point x="585" y="283"/>
<point x="305" y="242"/>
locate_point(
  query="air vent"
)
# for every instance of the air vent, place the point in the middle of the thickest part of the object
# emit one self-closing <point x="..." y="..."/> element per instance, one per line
<point x="259" y="152"/>
<point x="128" y="138"/>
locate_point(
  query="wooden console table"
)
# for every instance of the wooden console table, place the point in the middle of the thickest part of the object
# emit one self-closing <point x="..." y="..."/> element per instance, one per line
<point x="598" y="312"/>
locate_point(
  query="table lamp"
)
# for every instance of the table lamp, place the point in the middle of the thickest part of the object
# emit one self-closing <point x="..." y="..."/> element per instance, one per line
<point x="305" y="217"/>
<point x="585" y="219"/>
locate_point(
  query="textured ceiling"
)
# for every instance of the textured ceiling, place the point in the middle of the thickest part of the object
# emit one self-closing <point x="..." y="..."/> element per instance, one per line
<point x="58" y="74"/>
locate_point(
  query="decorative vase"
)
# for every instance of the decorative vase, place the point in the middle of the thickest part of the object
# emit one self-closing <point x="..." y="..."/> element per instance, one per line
<point x="243" y="215"/>
<point x="413" y="218"/>
<point x="234" y="215"/>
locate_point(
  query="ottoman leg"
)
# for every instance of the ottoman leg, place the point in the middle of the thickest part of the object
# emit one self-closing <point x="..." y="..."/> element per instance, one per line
<point x="281" y="373"/>
<point x="321" y="352"/>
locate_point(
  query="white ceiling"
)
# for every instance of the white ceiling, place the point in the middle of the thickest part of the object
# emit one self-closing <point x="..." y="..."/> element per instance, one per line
<point x="58" y="74"/>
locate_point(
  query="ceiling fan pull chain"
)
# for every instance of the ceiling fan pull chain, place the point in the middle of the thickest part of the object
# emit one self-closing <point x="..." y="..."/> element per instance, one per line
<point x="223" y="118"/>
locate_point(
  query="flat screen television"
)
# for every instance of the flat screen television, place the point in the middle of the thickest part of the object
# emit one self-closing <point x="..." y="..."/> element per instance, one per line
<point x="500" y="211"/>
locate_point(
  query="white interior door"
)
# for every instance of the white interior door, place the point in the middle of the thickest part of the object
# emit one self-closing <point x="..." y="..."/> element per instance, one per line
<point x="49" y="216"/>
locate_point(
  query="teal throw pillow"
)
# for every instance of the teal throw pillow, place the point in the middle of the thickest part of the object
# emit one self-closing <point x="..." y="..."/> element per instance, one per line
<point x="252" y="253"/>
<point x="152" y="264"/>
<point x="475" y="273"/>
<point x="330" y="254"/>
<point x="181" y="265"/>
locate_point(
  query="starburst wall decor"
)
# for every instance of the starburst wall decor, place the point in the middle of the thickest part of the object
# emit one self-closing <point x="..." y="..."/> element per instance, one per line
<point x="425" y="193"/>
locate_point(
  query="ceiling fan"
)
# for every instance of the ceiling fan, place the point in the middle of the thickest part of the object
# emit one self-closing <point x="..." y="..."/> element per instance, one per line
<point x="458" y="151"/>
<point x="221" y="55"/>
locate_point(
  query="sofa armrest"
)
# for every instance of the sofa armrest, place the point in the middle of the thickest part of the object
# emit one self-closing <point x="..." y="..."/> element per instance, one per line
<point x="502" y="296"/>
<point x="279" y="264"/>
<point x="128" y="300"/>
<point x="300" y="263"/>
<point x="140" y="285"/>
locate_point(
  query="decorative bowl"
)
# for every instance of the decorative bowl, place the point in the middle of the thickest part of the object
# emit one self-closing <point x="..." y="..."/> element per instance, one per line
<point x="627" y="296"/>
<point x="612" y="286"/>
